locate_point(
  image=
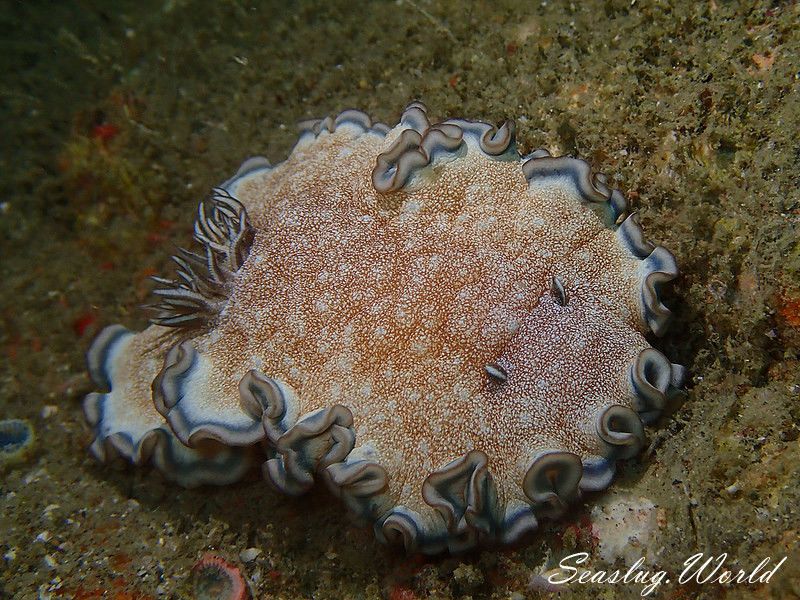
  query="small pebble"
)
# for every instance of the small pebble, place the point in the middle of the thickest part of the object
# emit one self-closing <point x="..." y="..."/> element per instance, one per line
<point x="43" y="537"/>
<point x="249" y="555"/>
<point x="49" y="410"/>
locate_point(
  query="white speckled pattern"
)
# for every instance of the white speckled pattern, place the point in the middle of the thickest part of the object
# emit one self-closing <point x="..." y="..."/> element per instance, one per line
<point x="392" y="305"/>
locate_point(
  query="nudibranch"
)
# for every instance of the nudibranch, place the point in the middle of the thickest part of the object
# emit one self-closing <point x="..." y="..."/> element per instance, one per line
<point x="449" y="335"/>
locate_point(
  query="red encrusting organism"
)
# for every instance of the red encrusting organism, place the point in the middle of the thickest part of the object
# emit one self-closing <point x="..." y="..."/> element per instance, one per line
<point x="104" y="132"/>
<point x="216" y="579"/>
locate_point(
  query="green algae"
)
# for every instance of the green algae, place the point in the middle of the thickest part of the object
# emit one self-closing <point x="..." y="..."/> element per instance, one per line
<point x="691" y="107"/>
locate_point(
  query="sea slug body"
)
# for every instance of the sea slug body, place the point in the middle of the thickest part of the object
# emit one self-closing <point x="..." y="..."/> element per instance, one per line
<point x="447" y="334"/>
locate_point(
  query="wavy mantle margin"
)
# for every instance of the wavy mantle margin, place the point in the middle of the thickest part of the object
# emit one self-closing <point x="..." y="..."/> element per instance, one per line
<point x="152" y="441"/>
<point x="322" y="444"/>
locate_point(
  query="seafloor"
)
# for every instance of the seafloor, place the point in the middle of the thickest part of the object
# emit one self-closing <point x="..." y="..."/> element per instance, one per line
<point x="115" y="121"/>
